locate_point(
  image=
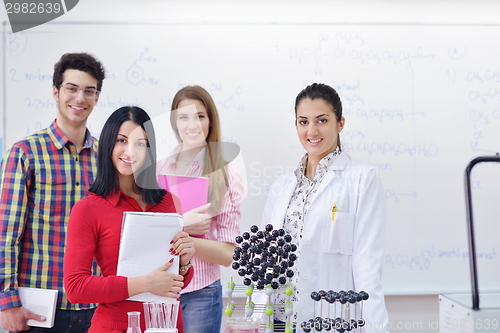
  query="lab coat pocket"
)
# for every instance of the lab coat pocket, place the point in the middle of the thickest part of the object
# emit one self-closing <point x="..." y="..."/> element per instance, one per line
<point x="340" y="234"/>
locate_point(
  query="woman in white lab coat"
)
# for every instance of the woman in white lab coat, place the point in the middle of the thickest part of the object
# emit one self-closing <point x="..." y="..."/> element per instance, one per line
<point x="339" y="250"/>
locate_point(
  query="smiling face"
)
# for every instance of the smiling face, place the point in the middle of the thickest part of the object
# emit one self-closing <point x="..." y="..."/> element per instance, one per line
<point x="73" y="111"/>
<point x="130" y="149"/>
<point x="192" y="123"/>
<point x="317" y="127"/>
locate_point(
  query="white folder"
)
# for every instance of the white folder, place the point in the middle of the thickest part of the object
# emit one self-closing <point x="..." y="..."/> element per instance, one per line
<point x="41" y="302"/>
<point x="145" y="245"/>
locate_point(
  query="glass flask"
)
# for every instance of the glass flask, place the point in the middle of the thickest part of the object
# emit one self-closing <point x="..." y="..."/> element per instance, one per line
<point x="134" y="322"/>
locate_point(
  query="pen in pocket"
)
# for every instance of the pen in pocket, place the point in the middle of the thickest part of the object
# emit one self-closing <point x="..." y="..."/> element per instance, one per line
<point x="334" y="209"/>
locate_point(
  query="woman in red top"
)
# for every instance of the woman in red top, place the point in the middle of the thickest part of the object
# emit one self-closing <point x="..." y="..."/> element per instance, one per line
<point x="125" y="181"/>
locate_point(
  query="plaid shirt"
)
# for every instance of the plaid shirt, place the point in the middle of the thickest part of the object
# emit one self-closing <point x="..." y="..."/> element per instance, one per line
<point x="42" y="177"/>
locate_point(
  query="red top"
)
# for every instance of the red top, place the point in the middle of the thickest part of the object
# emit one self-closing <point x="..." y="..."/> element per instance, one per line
<point x="94" y="232"/>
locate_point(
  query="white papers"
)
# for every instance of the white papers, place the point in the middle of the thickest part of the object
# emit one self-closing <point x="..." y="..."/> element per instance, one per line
<point x="41" y="302"/>
<point x="145" y="245"/>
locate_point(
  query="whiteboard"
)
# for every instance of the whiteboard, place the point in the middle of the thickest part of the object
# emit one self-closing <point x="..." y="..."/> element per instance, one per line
<point x="420" y="102"/>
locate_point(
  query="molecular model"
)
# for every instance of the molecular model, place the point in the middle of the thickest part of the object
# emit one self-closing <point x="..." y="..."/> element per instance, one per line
<point x="263" y="259"/>
<point x="342" y="302"/>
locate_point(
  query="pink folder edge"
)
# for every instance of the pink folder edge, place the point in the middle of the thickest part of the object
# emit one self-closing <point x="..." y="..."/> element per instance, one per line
<point x="191" y="191"/>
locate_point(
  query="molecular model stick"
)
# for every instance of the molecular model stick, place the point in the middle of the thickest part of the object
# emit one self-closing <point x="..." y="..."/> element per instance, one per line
<point x="263" y="259"/>
<point x="344" y="321"/>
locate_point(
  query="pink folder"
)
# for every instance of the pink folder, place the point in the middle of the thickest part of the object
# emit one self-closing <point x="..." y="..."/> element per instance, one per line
<point x="191" y="191"/>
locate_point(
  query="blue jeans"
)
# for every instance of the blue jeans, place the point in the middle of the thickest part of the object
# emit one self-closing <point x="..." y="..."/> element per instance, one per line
<point x="67" y="321"/>
<point x="202" y="309"/>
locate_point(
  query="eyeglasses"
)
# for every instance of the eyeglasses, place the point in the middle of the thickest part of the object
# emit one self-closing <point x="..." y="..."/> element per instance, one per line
<point x="73" y="91"/>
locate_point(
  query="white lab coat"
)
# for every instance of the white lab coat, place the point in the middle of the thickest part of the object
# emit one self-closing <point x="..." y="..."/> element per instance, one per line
<point x="343" y="254"/>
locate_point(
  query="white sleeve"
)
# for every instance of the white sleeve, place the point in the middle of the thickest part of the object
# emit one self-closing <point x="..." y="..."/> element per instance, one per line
<point x="368" y="249"/>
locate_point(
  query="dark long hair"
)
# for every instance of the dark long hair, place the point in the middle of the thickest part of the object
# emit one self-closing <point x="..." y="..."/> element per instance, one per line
<point x="326" y="93"/>
<point x="106" y="182"/>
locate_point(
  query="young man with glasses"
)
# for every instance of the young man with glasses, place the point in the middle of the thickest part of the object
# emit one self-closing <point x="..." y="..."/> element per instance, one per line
<point x="41" y="178"/>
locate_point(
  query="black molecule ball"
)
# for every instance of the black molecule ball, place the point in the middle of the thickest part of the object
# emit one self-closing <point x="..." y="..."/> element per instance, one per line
<point x="364" y="294"/>
<point x="315" y="296"/>
<point x="264" y="256"/>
